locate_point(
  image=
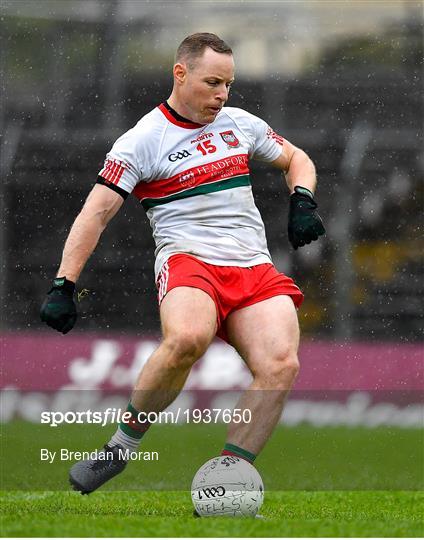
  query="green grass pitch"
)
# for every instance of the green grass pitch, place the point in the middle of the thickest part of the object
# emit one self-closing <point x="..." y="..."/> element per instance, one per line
<point x="164" y="514"/>
<point x="318" y="482"/>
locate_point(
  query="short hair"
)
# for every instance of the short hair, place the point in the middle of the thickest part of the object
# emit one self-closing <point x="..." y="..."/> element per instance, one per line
<point x="193" y="46"/>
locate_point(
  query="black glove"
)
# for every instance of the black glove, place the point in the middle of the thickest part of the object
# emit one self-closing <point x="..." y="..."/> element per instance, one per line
<point x="58" y="309"/>
<point x="305" y="224"/>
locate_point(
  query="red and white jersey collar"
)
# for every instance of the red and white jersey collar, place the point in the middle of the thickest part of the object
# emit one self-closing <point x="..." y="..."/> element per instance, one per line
<point x="176" y="118"/>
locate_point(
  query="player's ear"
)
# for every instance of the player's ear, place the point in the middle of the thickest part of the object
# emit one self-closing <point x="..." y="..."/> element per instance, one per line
<point x="180" y="72"/>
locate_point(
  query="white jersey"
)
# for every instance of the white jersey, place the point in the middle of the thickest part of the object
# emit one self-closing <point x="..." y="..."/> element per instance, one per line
<point x="193" y="181"/>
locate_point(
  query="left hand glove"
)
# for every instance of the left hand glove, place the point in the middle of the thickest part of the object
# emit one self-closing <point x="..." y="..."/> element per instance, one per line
<point x="58" y="309"/>
<point x="305" y="224"/>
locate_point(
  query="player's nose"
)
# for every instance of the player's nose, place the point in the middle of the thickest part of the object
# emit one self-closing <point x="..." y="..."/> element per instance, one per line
<point x="222" y="93"/>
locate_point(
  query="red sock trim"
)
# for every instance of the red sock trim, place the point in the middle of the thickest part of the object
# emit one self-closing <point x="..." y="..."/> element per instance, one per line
<point x="229" y="453"/>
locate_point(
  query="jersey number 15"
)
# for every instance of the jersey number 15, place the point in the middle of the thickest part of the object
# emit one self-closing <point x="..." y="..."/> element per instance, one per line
<point x="206" y="148"/>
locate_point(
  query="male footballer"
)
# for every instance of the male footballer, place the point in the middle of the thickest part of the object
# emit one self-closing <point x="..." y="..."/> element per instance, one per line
<point x="187" y="161"/>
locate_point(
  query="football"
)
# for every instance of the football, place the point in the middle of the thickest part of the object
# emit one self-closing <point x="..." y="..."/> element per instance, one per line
<point x="227" y="486"/>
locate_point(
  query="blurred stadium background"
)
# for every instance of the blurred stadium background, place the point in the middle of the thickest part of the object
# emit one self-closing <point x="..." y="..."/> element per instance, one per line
<point x="343" y="80"/>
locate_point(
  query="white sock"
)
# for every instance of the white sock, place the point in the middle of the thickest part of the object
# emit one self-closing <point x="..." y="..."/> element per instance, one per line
<point x="127" y="442"/>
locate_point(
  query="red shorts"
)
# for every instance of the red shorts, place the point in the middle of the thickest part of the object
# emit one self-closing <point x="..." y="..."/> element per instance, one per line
<point x="230" y="287"/>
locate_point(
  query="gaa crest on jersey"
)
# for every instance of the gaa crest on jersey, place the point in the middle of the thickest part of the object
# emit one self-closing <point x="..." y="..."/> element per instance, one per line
<point x="229" y="138"/>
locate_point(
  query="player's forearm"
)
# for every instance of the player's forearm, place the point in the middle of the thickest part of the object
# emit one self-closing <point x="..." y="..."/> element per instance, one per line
<point x="80" y="244"/>
<point x="301" y="172"/>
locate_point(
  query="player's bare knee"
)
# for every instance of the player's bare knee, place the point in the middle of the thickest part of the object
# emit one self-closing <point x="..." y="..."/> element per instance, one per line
<point x="290" y="366"/>
<point x="280" y="372"/>
<point x="185" y="348"/>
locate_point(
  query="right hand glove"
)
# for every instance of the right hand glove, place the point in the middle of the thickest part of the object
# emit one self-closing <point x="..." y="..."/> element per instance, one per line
<point x="58" y="309"/>
<point x="305" y="225"/>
